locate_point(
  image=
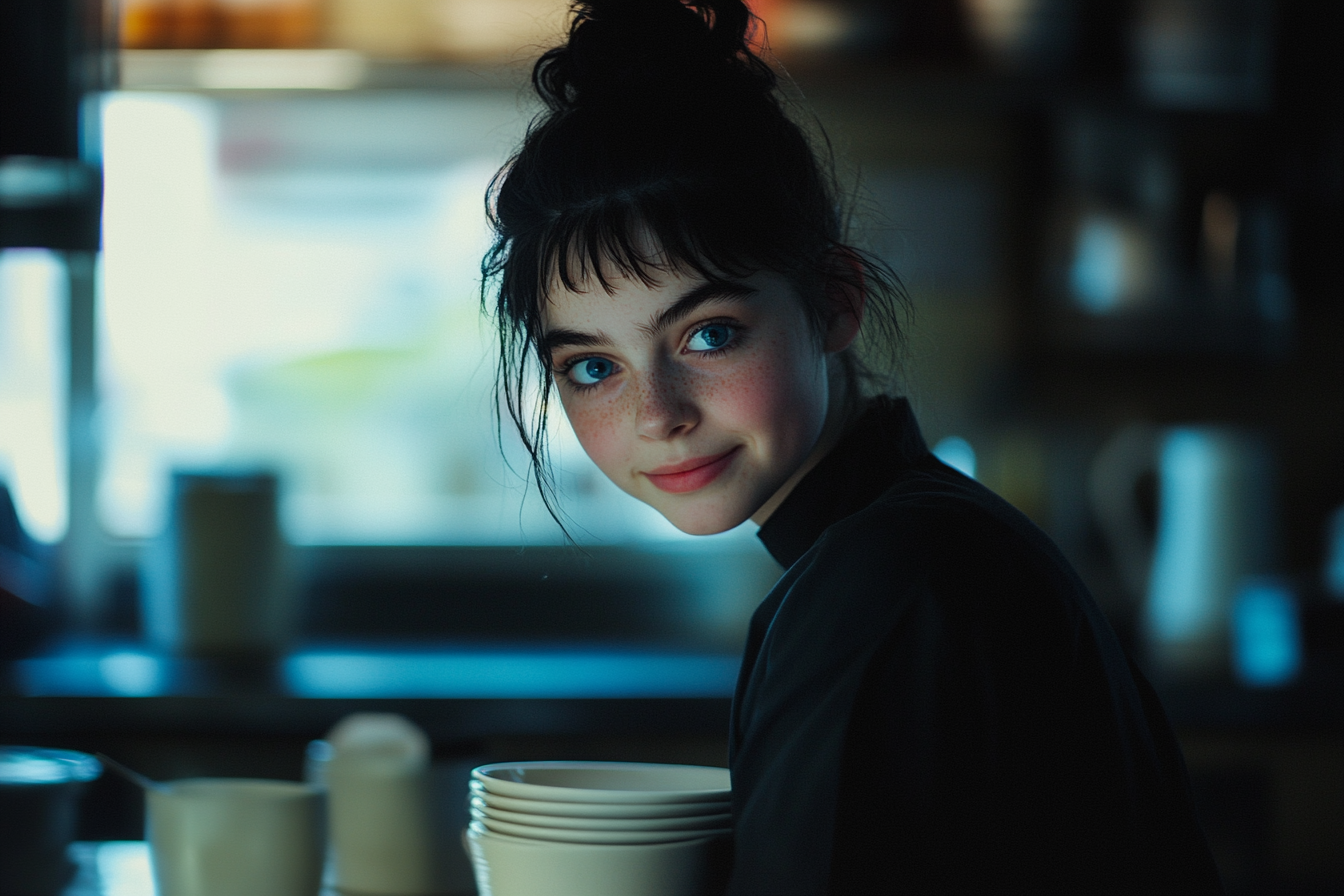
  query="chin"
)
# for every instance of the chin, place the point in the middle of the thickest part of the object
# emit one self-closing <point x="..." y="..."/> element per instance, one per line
<point x="703" y="520"/>
<point x="706" y="528"/>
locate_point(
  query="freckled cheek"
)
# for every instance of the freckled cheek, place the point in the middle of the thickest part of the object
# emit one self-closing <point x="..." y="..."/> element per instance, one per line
<point x="768" y="392"/>
<point x="601" y="430"/>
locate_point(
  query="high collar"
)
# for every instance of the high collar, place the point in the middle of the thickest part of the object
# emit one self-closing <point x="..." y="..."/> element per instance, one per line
<point x="883" y="442"/>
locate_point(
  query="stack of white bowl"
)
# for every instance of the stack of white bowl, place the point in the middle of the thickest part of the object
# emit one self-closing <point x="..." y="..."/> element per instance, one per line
<point x="598" y="829"/>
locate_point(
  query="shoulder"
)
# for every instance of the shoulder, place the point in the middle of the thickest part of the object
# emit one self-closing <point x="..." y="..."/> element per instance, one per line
<point x="935" y="522"/>
<point x="940" y="552"/>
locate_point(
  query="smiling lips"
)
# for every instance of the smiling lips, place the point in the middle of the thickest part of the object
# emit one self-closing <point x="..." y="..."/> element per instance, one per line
<point x="692" y="474"/>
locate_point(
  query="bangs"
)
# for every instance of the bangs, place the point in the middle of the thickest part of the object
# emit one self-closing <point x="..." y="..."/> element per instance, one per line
<point x="641" y="236"/>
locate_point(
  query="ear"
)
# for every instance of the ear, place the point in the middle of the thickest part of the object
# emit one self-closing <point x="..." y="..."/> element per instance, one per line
<point x="845" y="297"/>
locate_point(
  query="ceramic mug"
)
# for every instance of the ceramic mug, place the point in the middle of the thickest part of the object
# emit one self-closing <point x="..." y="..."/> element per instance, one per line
<point x="235" y="837"/>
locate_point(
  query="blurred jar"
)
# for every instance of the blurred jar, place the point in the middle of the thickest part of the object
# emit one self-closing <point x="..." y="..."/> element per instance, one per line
<point x="216" y="579"/>
<point x="39" y="802"/>
<point x="500" y="30"/>
<point x="207" y="24"/>
<point x="1110" y="245"/>
<point x="268" y="24"/>
<point x="168" y="24"/>
<point x="382" y="829"/>
<point x="146" y="24"/>
<point x="1023" y="35"/>
<point x="1114" y="261"/>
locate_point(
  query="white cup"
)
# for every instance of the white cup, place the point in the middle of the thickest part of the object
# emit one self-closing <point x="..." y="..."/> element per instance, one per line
<point x="235" y="837"/>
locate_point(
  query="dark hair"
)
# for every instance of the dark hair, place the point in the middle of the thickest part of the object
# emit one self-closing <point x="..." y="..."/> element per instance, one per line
<point x="661" y="122"/>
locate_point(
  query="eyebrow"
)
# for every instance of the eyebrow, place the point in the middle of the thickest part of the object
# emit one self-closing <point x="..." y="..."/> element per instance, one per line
<point x="713" y="291"/>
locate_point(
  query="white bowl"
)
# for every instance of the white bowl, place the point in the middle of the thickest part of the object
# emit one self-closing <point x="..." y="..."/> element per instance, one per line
<point x="605" y="782"/>
<point x="509" y="866"/>
<point x="613" y="838"/>
<point x="482" y="812"/>
<point x="598" y="810"/>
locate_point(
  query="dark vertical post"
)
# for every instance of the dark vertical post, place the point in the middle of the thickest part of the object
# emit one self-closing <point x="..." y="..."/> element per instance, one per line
<point x="53" y="55"/>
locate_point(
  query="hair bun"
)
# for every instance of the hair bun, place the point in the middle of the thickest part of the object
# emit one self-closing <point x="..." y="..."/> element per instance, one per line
<point x="652" y="51"/>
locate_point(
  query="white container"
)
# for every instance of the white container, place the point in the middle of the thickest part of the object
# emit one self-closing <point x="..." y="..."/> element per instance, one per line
<point x="378" y="789"/>
<point x="235" y="837"/>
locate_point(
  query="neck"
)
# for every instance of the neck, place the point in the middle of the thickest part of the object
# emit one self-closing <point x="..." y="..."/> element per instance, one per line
<point x="841" y="409"/>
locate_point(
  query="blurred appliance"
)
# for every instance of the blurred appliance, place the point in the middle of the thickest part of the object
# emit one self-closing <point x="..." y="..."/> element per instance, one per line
<point x="1214" y="530"/>
<point x="1214" y="534"/>
<point x="55" y="55"/>
<point x="51" y="56"/>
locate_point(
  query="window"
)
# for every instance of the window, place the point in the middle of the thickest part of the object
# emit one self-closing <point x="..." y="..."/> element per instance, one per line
<point x="32" y="388"/>
<point x="292" y="283"/>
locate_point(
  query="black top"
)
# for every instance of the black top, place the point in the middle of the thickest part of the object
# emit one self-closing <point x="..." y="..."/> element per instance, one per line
<point x="930" y="701"/>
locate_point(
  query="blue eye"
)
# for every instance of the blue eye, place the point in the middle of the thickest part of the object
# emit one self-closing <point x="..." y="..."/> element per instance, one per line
<point x="591" y="371"/>
<point x="710" y="337"/>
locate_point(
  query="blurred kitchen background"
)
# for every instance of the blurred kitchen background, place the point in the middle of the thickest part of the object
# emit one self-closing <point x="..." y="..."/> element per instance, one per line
<point x="239" y="292"/>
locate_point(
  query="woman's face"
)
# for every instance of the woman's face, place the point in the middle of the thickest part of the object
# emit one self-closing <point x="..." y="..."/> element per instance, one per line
<point x="701" y="398"/>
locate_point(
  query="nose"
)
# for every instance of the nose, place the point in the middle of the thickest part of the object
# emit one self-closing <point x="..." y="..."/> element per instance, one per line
<point x="666" y="408"/>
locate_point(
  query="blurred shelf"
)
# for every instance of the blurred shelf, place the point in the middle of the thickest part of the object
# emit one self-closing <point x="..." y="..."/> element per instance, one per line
<point x="455" y="692"/>
<point x="1192" y="336"/>
<point x="304" y="70"/>
<point x="385" y="671"/>
<point x="470" y="691"/>
<point x="871" y="82"/>
<point x="49" y="719"/>
<point x="1313" y="707"/>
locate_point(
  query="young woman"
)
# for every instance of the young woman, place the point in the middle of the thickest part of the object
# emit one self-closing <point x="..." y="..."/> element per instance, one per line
<point x="929" y="701"/>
